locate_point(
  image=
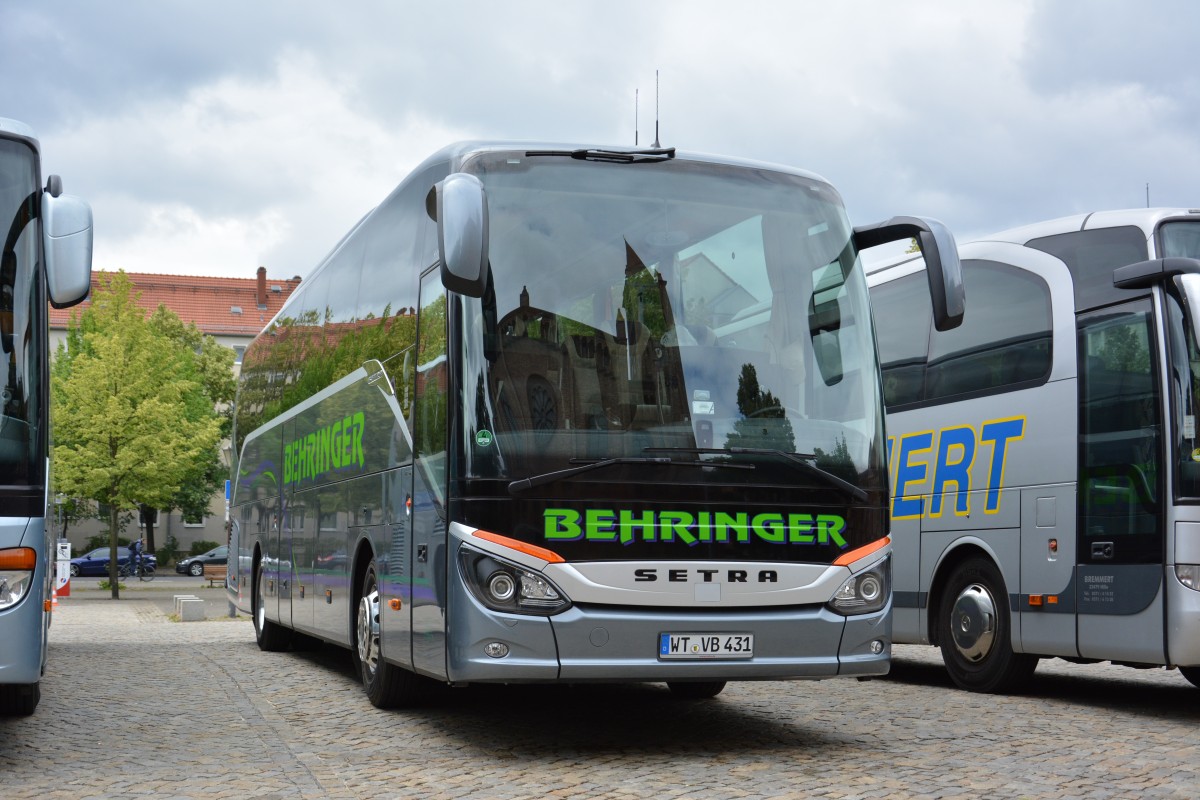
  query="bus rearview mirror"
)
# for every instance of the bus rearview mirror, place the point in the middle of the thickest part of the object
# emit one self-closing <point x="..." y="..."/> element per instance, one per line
<point x="942" y="266"/>
<point x="462" y="220"/>
<point x="67" y="241"/>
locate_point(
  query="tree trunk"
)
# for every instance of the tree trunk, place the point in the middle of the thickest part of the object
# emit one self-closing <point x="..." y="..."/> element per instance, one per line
<point x="150" y="516"/>
<point x="113" y="521"/>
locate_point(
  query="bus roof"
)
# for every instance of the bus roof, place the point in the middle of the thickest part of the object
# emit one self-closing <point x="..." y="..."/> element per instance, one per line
<point x="1147" y="219"/>
<point x="457" y="152"/>
<point x="13" y="128"/>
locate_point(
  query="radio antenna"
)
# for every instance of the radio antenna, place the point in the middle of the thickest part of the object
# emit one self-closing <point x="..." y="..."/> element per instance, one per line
<point x="656" y="144"/>
<point x="635" y="117"/>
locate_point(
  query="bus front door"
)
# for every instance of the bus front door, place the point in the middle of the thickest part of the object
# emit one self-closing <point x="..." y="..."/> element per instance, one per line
<point x="1119" y="573"/>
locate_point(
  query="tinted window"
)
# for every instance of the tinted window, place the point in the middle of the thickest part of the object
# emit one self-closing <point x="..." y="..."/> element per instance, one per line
<point x="1004" y="339"/>
<point x="1092" y="256"/>
<point x="1003" y="343"/>
<point x="1119" y="436"/>
<point x="1180" y="239"/>
<point x="22" y="328"/>
<point x="903" y="316"/>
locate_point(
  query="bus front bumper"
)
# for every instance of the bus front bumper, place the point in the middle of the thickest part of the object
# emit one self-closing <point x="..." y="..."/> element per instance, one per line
<point x="613" y="644"/>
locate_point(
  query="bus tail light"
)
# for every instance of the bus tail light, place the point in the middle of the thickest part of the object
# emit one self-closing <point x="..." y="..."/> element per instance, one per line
<point x="866" y="592"/>
<point x="16" y="574"/>
<point x="503" y="586"/>
<point x="1188" y="575"/>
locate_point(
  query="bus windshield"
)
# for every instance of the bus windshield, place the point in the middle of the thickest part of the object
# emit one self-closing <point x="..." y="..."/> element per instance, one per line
<point x="22" y="454"/>
<point x="706" y="315"/>
<point x="1180" y="239"/>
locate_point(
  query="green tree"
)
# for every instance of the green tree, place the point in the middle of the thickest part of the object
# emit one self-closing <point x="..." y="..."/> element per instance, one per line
<point x="213" y="363"/>
<point x="131" y="414"/>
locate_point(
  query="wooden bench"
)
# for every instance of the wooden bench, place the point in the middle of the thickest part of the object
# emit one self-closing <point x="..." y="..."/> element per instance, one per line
<point x="214" y="573"/>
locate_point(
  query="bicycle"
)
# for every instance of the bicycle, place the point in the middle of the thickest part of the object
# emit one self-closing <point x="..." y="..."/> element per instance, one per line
<point x="143" y="570"/>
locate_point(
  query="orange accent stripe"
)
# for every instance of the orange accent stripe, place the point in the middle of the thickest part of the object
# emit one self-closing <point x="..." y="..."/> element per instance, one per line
<point x="18" y="558"/>
<point x="522" y="547"/>
<point x="854" y="555"/>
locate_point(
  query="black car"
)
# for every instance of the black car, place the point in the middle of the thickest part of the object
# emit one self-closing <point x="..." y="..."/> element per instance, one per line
<point x="194" y="565"/>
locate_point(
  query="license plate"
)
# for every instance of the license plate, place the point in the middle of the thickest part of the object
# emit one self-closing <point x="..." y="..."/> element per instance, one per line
<point x="705" y="645"/>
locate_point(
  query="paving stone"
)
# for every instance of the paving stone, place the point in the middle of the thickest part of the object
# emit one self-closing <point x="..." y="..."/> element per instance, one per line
<point x="136" y="705"/>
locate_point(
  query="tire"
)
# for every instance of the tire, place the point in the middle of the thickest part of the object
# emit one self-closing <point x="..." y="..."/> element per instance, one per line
<point x="147" y="572"/>
<point x="122" y="570"/>
<point x="386" y="685"/>
<point x="196" y="569"/>
<point x="271" y="636"/>
<point x="695" y="690"/>
<point x="19" y="699"/>
<point x="1192" y="674"/>
<point x="975" y="631"/>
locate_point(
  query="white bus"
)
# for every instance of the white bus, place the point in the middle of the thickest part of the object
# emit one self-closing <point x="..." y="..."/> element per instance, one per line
<point x="576" y="414"/>
<point x="46" y="255"/>
<point x="1044" y="456"/>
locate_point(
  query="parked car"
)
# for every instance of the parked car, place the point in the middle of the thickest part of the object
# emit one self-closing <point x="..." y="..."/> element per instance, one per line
<point x="194" y="565"/>
<point x="96" y="561"/>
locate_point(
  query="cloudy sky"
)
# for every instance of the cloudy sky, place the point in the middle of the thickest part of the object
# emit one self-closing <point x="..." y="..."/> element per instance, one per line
<point x="213" y="137"/>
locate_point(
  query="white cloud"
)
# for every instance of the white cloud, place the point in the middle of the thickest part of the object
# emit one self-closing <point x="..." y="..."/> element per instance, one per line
<point x="220" y="153"/>
<point x="241" y="173"/>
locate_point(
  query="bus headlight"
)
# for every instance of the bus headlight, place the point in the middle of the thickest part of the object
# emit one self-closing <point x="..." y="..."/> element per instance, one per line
<point x="866" y="592"/>
<point x="1188" y="575"/>
<point x="503" y="586"/>
<point x="16" y="574"/>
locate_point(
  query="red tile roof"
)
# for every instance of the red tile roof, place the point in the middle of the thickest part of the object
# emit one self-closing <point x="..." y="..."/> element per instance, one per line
<point x="218" y="306"/>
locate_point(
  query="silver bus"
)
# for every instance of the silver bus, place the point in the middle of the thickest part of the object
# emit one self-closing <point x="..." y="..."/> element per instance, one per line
<point x="1044" y="457"/>
<point x="577" y="414"/>
<point x="46" y="256"/>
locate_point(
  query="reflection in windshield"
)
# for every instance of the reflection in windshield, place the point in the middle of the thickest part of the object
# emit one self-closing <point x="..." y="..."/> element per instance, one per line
<point x="673" y="305"/>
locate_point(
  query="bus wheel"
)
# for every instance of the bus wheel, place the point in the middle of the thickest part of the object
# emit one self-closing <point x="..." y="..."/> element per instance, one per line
<point x="19" y="699"/>
<point x="1192" y="674"/>
<point x="695" y="690"/>
<point x="271" y="636"/>
<point x="386" y="685"/>
<point x="975" y="631"/>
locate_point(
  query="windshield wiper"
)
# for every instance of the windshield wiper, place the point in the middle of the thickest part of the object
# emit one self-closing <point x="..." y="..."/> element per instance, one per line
<point x="798" y="460"/>
<point x="614" y="156"/>
<point x="550" y="477"/>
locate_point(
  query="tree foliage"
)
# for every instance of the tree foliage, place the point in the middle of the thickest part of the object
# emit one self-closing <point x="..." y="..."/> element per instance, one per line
<point x="135" y="424"/>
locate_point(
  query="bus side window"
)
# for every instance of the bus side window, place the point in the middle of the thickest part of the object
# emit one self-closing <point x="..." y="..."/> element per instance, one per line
<point x="1002" y="343"/>
<point x="903" y="317"/>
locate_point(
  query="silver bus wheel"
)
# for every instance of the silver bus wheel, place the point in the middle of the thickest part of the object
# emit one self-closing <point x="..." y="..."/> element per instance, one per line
<point x="386" y="685"/>
<point x="974" y="631"/>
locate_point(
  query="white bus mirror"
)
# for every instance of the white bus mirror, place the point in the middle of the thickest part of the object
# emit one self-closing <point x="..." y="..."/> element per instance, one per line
<point x="462" y="221"/>
<point x="942" y="266"/>
<point x="67" y="241"/>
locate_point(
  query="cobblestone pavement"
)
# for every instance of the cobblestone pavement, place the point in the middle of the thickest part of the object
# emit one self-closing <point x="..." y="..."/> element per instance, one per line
<point x="134" y="704"/>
